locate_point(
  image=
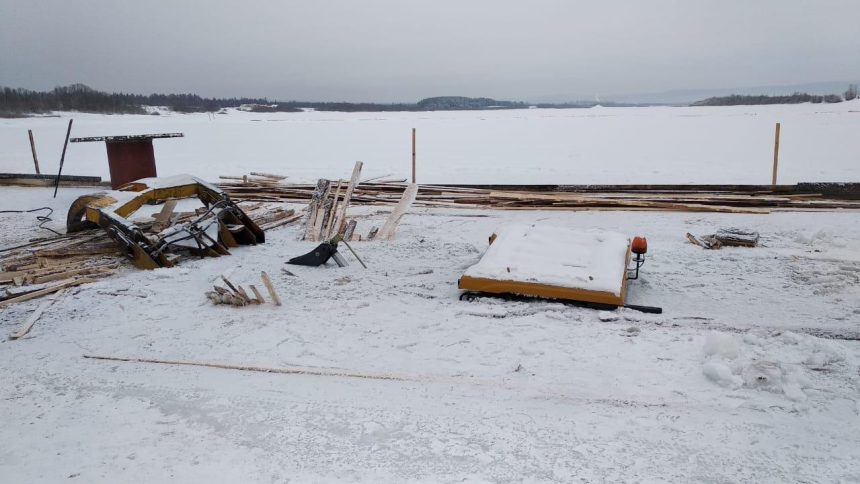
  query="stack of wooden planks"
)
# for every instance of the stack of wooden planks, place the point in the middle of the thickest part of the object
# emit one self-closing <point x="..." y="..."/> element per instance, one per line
<point x="326" y="213"/>
<point x="692" y="198"/>
<point x="44" y="266"/>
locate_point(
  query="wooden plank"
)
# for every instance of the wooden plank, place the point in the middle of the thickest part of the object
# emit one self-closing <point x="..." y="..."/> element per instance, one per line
<point x="268" y="283"/>
<point x="323" y="185"/>
<point x="284" y="221"/>
<point x="387" y="231"/>
<point x="331" y="216"/>
<point x="775" y="153"/>
<point x="28" y="324"/>
<point x="33" y="149"/>
<point x="244" y="294"/>
<point x="269" y="175"/>
<point x="257" y="295"/>
<point x="89" y="271"/>
<point x="323" y="219"/>
<point x="350" y="228"/>
<point x="314" y="371"/>
<point x="47" y="290"/>
<point x="347" y="197"/>
<point x="162" y="218"/>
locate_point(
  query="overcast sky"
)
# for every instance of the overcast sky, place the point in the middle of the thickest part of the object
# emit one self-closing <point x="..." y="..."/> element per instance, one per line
<point x="401" y="50"/>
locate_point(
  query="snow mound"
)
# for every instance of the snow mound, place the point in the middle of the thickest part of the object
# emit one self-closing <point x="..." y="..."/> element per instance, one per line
<point x="719" y="372"/>
<point x="786" y="364"/>
<point x="720" y="345"/>
<point x="607" y="316"/>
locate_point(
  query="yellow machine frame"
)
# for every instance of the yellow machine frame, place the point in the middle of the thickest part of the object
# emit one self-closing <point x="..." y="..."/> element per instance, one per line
<point x="483" y="285"/>
<point x="109" y="210"/>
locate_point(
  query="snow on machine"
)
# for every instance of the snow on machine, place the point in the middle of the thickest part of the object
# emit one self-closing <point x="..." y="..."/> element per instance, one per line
<point x="585" y="267"/>
<point x="221" y="224"/>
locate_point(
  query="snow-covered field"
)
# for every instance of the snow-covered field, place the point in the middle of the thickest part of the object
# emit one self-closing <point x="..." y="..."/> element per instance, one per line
<point x="600" y="145"/>
<point x="751" y="374"/>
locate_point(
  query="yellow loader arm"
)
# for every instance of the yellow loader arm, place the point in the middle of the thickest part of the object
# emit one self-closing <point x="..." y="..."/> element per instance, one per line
<point x="223" y="224"/>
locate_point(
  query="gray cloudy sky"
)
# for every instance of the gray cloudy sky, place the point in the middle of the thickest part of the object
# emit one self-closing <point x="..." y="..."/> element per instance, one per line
<point x="401" y="50"/>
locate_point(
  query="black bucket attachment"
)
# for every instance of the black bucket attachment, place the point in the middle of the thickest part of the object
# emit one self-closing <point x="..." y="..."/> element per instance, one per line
<point x="316" y="257"/>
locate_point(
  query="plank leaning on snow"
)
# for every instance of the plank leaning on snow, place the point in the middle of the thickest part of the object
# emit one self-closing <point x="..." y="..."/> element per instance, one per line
<point x="387" y="231"/>
<point x="257" y="295"/>
<point x="268" y="283"/>
<point x="25" y="328"/>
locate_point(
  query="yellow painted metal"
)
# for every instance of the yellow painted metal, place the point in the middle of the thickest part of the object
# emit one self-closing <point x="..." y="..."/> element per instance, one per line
<point x="107" y="209"/>
<point x="545" y="291"/>
<point x="156" y="194"/>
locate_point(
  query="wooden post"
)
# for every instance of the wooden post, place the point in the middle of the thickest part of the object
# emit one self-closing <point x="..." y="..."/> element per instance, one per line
<point x="413" y="155"/>
<point x="33" y="149"/>
<point x="775" y="153"/>
<point x="63" y="158"/>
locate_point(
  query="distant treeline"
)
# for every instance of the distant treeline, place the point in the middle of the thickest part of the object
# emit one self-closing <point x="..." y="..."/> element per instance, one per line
<point x="79" y="97"/>
<point x="796" y="98"/>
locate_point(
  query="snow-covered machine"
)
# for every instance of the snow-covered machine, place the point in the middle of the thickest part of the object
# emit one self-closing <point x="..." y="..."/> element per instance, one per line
<point x="590" y="268"/>
<point x="219" y="225"/>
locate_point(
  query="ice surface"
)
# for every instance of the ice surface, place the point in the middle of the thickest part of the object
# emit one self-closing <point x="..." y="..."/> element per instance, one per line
<point x="732" y="144"/>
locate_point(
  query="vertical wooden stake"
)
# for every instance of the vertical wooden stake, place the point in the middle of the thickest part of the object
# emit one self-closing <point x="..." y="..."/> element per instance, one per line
<point x="413" y="155"/>
<point x="775" y="153"/>
<point x="33" y="149"/>
<point x="63" y="158"/>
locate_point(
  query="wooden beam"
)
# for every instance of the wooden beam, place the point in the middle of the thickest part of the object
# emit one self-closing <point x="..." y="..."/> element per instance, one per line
<point x="28" y="324"/>
<point x="387" y="231"/>
<point x="350" y="188"/>
<point x="162" y="218"/>
<point x="295" y="370"/>
<point x="47" y="290"/>
<point x="775" y="154"/>
<point x="317" y="197"/>
<point x="268" y="283"/>
<point x="257" y="295"/>
<point x="33" y="149"/>
<point x="331" y="216"/>
<point x="413" y="155"/>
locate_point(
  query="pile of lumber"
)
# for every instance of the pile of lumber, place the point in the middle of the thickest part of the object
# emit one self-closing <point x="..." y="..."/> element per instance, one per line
<point x="44" y="266"/>
<point x="693" y="198"/>
<point x="236" y="295"/>
<point x="731" y="237"/>
<point x="326" y="213"/>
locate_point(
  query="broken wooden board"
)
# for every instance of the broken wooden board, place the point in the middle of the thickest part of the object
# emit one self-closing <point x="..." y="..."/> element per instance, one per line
<point x="387" y="231"/>
<point x="268" y="283"/>
<point x="28" y="324"/>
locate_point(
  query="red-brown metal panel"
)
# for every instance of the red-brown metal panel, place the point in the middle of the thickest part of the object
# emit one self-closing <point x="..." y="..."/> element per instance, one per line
<point x="129" y="161"/>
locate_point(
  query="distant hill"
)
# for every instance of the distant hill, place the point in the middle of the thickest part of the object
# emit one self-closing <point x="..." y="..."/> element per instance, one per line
<point x="454" y="103"/>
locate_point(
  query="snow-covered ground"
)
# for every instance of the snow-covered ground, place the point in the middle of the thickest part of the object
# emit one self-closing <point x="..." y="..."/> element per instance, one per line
<point x="745" y="377"/>
<point x="575" y="146"/>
